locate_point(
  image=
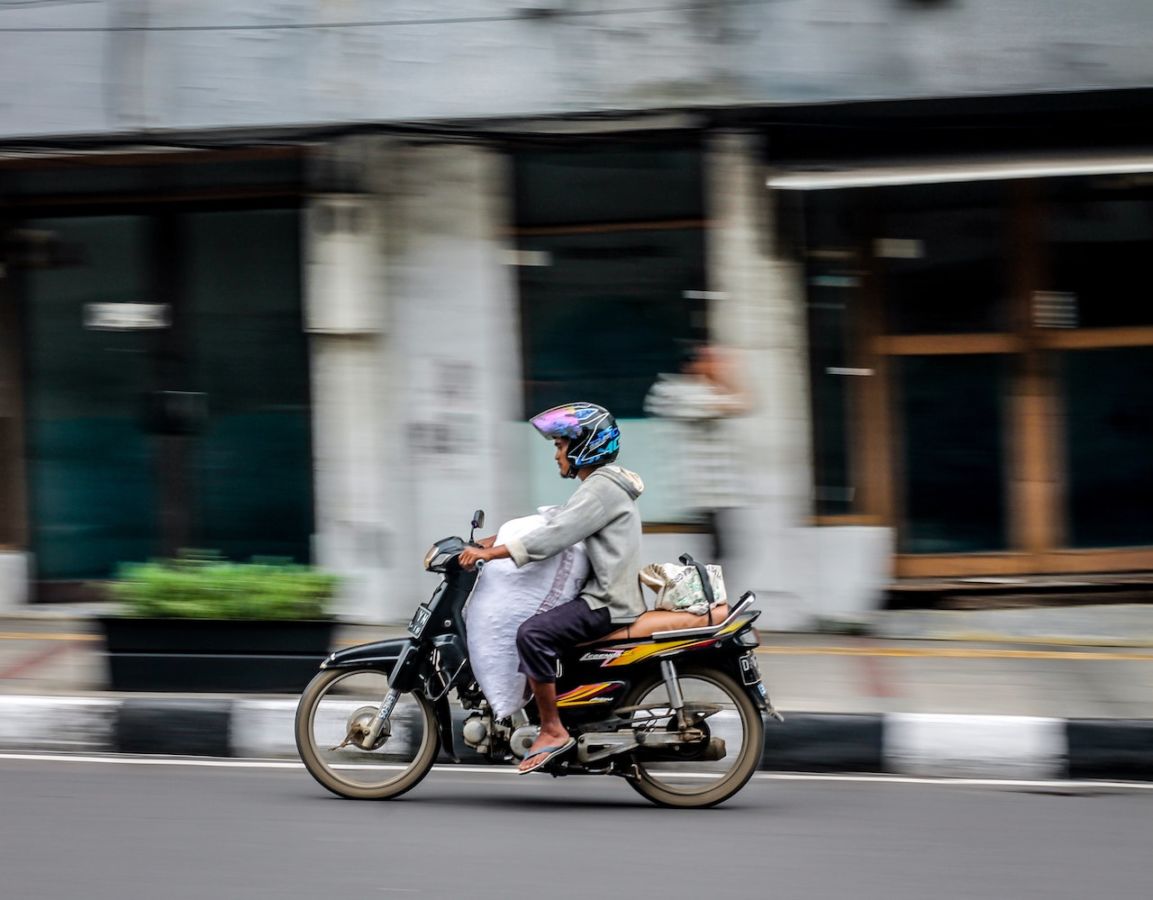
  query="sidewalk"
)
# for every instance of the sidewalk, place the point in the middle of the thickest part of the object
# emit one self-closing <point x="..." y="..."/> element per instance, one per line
<point x="1013" y="693"/>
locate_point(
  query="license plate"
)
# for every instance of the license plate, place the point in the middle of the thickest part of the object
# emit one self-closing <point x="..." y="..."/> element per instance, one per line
<point x="750" y="674"/>
<point x="419" y="620"/>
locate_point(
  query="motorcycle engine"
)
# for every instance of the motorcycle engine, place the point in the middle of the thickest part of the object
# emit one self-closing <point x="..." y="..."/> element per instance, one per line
<point x="522" y="739"/>
<point x="475" y="732"/>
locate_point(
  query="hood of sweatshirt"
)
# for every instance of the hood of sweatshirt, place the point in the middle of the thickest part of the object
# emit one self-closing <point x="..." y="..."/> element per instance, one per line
<point x="629" y="481"/>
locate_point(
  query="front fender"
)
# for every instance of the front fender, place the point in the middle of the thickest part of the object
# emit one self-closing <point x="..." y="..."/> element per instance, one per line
<point x="380" y="655"/>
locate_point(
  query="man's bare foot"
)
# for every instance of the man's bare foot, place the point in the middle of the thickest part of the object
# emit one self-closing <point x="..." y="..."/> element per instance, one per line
<point x="547" y="740"/>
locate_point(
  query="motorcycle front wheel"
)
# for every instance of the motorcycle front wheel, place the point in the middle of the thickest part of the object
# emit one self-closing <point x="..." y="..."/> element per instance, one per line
<point x="692" y="775"/>
<point x="332" y="721"/>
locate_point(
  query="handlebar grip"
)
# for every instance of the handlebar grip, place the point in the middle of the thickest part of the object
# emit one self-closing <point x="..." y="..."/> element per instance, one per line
<point x="480" y="564"/>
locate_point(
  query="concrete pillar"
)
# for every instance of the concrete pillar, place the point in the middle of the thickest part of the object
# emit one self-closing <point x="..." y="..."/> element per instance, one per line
<point x="759" y="311"/>
<point x="346" y="307"/>
<point x="414" y="410"/>
<point x="455" y="350"/>
<point x="350" y="411"/>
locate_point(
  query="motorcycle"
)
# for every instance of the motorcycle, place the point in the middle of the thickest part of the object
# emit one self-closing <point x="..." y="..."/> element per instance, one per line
<point x="677" y="714"/>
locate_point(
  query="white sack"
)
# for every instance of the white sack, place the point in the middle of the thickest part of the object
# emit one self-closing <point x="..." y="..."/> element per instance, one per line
<point x="503" y="598"/>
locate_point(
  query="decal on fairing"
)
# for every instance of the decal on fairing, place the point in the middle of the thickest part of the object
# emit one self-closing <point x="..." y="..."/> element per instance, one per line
<point x="598" y="655"/>
<point x="590" y="693"/>
<point x="644" y="651"/>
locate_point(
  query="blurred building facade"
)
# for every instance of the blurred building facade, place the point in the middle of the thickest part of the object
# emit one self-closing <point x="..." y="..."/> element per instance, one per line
<point x="286" y="280"/>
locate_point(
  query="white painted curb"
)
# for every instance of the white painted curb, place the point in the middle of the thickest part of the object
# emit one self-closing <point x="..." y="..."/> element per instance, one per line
<point x="57" y="723"/>
<point x="264" y="728"/>
<point x="953" y="746"/>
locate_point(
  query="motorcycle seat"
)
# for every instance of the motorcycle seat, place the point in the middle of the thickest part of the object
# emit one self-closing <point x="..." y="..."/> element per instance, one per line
<point x="659" y="624"/>
<point x="656" y="620"/>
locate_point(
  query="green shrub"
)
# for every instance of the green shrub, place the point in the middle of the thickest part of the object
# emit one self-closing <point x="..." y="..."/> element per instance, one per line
<point x="208" y="587"/>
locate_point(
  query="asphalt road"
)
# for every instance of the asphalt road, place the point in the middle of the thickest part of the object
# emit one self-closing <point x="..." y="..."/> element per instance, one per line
<point x="124" y="831"/>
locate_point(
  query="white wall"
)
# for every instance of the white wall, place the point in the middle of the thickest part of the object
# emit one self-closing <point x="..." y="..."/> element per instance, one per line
<point x="216" y="63"/>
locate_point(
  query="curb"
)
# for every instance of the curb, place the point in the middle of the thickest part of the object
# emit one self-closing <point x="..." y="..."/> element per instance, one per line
<point x="913" y="744"/>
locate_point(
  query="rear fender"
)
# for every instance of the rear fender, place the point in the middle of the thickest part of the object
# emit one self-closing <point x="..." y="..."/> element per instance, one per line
<point x="739" y="660"/>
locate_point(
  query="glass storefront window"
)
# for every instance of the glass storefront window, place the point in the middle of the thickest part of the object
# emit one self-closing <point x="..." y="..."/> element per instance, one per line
<point x="1099" y="248"/>
<point x="943" y="271"/>
<point x="253" y="460"/>
<point x="603" y="316"/>
<point x="92" y="477"/>
<point x="1109" y="443"/>
<point x="966" y="375"/>
<point x="193" y="426"/>
<point x="954" y="453"/>
<point x="830" y="294"/>
<point x="833" y="290"/>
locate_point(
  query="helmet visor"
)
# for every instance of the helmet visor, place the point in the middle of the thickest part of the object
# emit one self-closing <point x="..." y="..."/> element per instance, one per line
<point x="561" y="421"/>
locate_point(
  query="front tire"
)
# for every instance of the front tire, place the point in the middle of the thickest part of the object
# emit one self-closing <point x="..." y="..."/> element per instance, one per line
<point x="704" y="782"/>
<point x="327" y="711"/>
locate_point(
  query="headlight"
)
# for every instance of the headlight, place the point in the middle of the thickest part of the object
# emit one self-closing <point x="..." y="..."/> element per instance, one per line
<point x="441" y="552"/>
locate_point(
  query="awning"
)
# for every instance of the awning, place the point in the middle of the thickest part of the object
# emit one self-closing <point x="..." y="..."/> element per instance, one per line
<point x="818" y="177"/>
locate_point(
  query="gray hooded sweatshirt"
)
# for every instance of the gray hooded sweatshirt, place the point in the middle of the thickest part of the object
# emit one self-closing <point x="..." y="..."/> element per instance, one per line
<point x="603" y="513"/>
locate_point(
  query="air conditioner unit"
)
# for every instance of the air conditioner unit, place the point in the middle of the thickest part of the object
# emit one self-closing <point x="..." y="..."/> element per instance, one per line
<point x="344" y="287"/>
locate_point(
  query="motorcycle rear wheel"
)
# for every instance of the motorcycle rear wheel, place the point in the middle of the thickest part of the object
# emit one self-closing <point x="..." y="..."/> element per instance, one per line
<point x="697" y="784"/>
<point x="333" y="701"/>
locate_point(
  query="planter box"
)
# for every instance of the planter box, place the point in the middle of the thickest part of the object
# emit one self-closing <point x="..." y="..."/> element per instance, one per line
<point x="268" y="656"/>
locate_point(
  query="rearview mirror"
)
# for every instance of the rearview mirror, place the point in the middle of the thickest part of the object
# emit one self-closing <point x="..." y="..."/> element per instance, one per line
<point x="478" y="519"/>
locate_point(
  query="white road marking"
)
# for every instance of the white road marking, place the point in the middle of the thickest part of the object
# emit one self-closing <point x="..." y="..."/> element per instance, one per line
<point x="156" y="761"/>
<point x="878" y="778"/>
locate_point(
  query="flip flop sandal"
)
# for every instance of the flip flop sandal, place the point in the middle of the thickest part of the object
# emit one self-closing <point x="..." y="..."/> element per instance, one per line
<point x="545" y="755"/>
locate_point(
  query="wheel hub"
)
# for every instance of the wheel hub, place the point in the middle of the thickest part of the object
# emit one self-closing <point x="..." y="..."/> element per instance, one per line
<point x="360" y="727"/>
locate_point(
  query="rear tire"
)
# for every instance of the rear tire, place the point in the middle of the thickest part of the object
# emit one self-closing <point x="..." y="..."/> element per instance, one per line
<point x="659" y="785"/>
<point x="399" y="772"/>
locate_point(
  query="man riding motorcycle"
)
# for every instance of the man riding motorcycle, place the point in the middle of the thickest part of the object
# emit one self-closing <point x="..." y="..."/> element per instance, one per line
<point x="671" y="702"/>
<point x="602" y="512"/>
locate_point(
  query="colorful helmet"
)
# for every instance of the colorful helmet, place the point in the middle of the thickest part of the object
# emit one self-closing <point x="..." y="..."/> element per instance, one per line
<point x="594" y="437"/>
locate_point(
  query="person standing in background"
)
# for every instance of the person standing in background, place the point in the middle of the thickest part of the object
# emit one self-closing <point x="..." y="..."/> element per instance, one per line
<point x="700" y="399"/>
